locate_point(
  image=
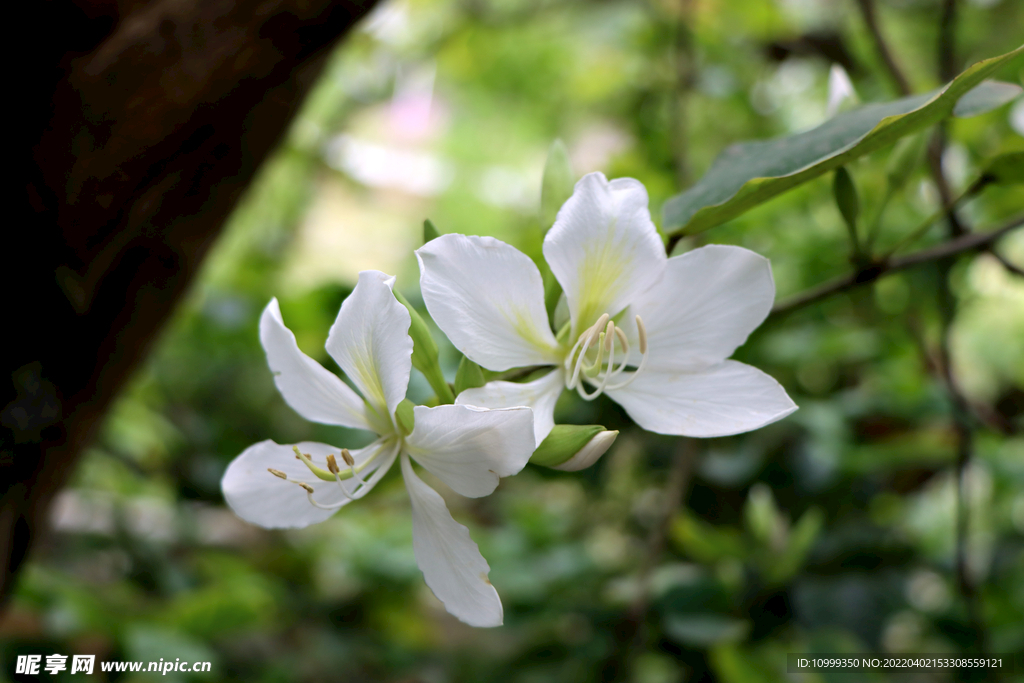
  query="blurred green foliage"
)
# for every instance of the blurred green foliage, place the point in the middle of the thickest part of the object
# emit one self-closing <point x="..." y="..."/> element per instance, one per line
<point x="832" y="531"/>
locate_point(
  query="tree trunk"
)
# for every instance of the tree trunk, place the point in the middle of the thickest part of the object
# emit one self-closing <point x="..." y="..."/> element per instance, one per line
<point x="142" y="123"/>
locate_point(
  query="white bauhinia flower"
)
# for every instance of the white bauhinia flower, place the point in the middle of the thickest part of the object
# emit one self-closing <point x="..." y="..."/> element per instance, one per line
<point x="651" y="332"/>
<point x="840" y="88"/>
<point x="468" y="448"/>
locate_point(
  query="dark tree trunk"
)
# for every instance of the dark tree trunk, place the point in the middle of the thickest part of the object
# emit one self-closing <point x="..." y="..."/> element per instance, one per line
<point x="142" y="123"/>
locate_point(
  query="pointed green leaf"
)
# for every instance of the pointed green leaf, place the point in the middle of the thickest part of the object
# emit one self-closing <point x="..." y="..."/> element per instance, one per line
<point x="429" y="231"/>
<point x="468" y="376"/>
<point x="557" y="185"/>
<point x="986" y="97"/>
<point x="750" y="173"/>
<point x="845" y="193"/>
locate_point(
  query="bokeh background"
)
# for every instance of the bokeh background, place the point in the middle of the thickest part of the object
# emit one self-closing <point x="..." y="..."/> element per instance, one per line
<point x="835" y="530"/>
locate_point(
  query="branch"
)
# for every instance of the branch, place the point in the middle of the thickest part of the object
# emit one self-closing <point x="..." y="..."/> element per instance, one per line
<point x="1016" y="270"/>
<point x="874" y="271"/>
<point x="867" y="10"/>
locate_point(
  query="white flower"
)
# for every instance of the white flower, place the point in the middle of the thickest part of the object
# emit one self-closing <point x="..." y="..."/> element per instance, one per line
<point x="652" y="332"/>
<point x="839" y="89"/>
<point x="467" y="448"/>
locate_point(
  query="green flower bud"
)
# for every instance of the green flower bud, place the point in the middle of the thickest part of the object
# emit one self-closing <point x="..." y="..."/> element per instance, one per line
<point x="573" y="447"/>
<point x="405" y="417"/>
<point x="424" y="353"/>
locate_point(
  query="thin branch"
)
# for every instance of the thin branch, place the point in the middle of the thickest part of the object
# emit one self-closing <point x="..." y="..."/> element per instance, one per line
<point x="1015" y="269"/>
<point x="874" y="271"/>
<point x="867" y="11"/>
<point x="947" y="41"/>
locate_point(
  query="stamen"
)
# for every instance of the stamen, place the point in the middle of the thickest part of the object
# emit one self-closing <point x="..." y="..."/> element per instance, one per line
<point x="277" y="473"/>
<point x="586" y="338"/>
<point x="642" y="334"/>
<point x="332" y="464"/>
<point x="347" y="457"/>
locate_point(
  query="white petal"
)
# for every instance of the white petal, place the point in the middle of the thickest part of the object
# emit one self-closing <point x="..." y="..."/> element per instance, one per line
<point x="488" y="297"/>
<point x="603" y="248"/>
<point x="311" y="391"/>
<point x="468" y="448"/>
<point x="708" y="303"/>
<point x="259" y="497"/>
<point x="370" y="341"/>
<point x="540" y="394"/>
<point x="728" y="398"/>
<point x="839" y="89"/>
<point x="449" y="559"/>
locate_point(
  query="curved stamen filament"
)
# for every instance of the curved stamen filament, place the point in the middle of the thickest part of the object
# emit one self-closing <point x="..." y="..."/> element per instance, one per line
<point x="642" y="334"/>
<point x="333" y="473"/>
<point x="600" y="372"/>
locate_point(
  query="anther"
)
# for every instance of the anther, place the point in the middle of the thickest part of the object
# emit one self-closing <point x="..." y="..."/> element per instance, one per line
<point x="642" y="332"/>
<point x="305" y="486"/>
<point x="277" y="473"/>
<point x="347" y="457"/>
<point x="609" y="340"/>
<point x="332" y="464"/>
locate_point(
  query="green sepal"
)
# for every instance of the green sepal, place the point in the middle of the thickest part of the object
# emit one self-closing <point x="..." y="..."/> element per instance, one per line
<point x="557" y="184"/>
<point x="405" y="417"/>
<point x="564" y="442"/>
<point x="424" y="353"/>
<point x="468" y="376"/>
<point x="429" y="231"/>
<point x="1005" y="169"/>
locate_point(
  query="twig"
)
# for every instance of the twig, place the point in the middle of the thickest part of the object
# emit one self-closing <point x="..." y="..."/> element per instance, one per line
<point x="867" y="10"/>
<point x="1016" y="270"/>
<point x="876" y="270"/>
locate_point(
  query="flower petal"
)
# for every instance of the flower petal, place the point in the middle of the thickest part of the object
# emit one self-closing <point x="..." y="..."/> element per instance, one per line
<point x="259" y="497"/>
<point x="540" y="394"/>
<point x="468" y="448"/>
<point x="370" y="341"/>
<point x="488" y="297"/>
<point x="603" y="249"/>
<point x="708" y="303"/>
<point x="449" y="559"/>
<point x="728" y="398"/>
<point x="313" y="392"/>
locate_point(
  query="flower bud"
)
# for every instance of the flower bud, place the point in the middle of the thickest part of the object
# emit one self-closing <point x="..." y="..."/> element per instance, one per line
<point x="424" y="353"/>
<point x="573" y="447"/>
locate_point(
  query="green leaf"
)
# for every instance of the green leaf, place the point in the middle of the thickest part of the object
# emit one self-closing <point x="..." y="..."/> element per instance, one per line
<point x="845" y="193"/>
<point x="563" y="442"/>
<point x="1006" y="169"/>
<point x="748" y="174"/>
<point x="429" y="231"/>
<point x="704" y="630"/>
<point x="557" y="184"/>
<point x="424" y="353"/>
<point x="468" y="376"/>
<point x="986" y="97"/>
